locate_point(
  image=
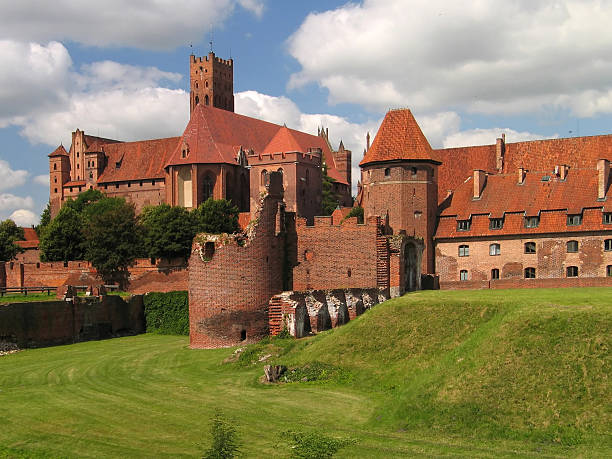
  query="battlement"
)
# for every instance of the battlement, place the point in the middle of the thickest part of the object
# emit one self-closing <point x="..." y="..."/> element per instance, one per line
<point x="314" y="157"/>
<point x="211" y="58"/>
<point x="337" y="220"/>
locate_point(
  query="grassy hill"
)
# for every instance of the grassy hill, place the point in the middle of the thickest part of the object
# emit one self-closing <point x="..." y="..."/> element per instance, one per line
<point x="473" y="374"/>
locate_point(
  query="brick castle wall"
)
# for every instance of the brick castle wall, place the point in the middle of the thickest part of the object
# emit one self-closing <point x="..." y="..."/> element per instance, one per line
<point x="61" y="322"/>
<point x="528" y="283"/>
<point x="336" y="255"/>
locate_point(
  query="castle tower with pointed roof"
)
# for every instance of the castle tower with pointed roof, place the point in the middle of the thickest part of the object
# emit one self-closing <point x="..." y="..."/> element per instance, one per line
<point x="59" y="174"/>
<point x="399" y="176"/>
<point x="211" y="82"/>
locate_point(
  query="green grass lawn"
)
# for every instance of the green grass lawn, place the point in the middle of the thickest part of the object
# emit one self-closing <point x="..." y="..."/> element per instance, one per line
<point x="30" y="297"/>
<point x="472" y="374"/>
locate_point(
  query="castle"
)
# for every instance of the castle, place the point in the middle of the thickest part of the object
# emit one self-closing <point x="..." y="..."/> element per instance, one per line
<point x="220" y="154"/>
<point x="505" y="215"/>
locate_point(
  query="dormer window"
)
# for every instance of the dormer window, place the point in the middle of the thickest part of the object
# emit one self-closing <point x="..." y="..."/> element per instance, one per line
<point x="496" y="223"/>
<point x="463" y="225"/>
<point x="532" y="222"/>
<point x="574" y="220"/>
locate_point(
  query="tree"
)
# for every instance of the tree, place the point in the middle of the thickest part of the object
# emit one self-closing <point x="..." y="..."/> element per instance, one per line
<point x="85" y="199"/>
<point x="45" y="219"/>
<point x="225" y="439"/>
<point x="62" y="239"/>
<point x="168" y="231"/>
<point x="216" y="216"/>
<point x="9" y="233"/>
<point x="112" y="241"/>
<point x="355" y="212"/>
<point x="329" y="200"/>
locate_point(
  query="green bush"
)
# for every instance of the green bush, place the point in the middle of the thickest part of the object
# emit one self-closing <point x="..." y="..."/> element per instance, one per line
<point x="313" y="444"/>
<point x="167" y="313"/>
<point x="225" y="439"/>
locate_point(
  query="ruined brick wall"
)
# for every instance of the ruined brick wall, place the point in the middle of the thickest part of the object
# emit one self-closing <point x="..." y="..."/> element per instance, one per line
<point x="302" y="313"/>
<point x="550" y="259"/>
<point x="338" y="256"/>
<point x="231" y="279"/>
<point x="61" y="322"/>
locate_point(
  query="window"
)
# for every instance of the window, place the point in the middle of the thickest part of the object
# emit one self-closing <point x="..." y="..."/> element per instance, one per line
<point x="495" y="273"/>
<point x="197" y="100"/>
<point x="117" y="185"/>
<point x="609" y="270"/>
<point x="54" y="179"/>
<point x="206" y="99"/>
<point x="264" y="178"/>
<point x="153" y="182"/>
<point x="608" y="245"/>
<point x="494" y="249"/>
<point x="532" y="222"/>
<point x="207" y="188"/>
<point x="572" y="246"/>
<point x="530" y="247"/>
<point x="607" y="218"/>
<point x="463" y="275"/>
<point x="530" y="273"/>
<point x="414" y="171"/>
<point x="55" y="190"/>
<point x="496" y="223"/>
<point x="463" y="225"/>
<point x="464" y="250"/>
<point x="388" y="172"/>
<point x="55" y="167"/>
<point x="574" y="220"/>
<point x="572" y="271"/>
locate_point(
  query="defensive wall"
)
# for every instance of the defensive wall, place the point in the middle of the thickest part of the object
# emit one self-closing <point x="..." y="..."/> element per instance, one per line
<point x="146" y="275"/>
<point x="527" y="283"/>
<point x="233" y="277"/>
<point x="302" y="313"/>
<point x="47" y="323"/>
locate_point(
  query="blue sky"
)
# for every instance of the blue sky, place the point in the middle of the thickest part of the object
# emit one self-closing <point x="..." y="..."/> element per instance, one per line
<point x="468" y="71"/>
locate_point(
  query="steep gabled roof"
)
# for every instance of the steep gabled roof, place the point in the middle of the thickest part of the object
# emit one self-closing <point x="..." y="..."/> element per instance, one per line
<point x="540" y="193"/>
<point x="59" y="151"/>
<point x="140" y="160"/>
<point x="215" y="136"/>
<point x="399" y="138"/>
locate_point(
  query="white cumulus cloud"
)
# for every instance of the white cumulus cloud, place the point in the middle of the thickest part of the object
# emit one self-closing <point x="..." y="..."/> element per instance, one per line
<point x="10" y="178"/>
<point x="42" y="180"/>
<point x="498" y="56"/>
<point x="10" y="201"/>
<point x="24" y="217"/>
<point x="157" y="25"/>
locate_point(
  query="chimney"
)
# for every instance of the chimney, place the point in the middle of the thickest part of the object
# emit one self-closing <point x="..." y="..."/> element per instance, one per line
<point x="500" y="151"/>
<point x="480" y="178"/>
<point x="521" y="175"/>
<point x="603" y="173"/>
<point x="561" y="171"/>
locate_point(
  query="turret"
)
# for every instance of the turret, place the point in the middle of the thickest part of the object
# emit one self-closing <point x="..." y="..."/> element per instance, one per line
<point x="59" y="174"/>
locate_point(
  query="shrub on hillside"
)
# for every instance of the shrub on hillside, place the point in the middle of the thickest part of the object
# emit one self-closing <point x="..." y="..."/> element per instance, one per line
<point x="167" y="313"/>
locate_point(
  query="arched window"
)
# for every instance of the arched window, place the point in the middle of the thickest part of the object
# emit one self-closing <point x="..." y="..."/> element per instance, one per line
<point x="206" y="100"/>
<point x="55" y="167"/>
<point x="263" y="177"/>
<point x="197" y="100"/>
<point x="387" y="172"/>
<point x="208" y="185"/>
<point x="206" y="83"/>
<point x="572" y="246"/>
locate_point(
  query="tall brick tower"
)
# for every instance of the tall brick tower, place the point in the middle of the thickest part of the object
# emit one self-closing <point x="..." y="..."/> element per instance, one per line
<point x="399" y="174"/>
<point x="59" y="174"/>
<point x="211" y="82"/>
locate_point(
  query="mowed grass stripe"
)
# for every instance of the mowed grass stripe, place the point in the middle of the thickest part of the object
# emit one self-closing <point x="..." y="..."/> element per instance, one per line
<point x="431" y="373"/>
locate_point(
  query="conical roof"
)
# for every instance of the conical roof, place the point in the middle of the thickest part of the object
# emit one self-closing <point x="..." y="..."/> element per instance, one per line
<point x="59" y="151"/>
<point x="399" y="138"/>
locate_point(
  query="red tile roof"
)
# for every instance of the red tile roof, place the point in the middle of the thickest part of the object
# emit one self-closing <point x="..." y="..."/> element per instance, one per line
<point x="75" y="183"/>
<point x="30" y="240"/>
<point x="140" y="160"/>
<point x="399" y="137"/>
<point x="536" y="155"/>
<point x="216" y="136"/>
<point x="59" y="151"/>
<point x="552" y="199"/>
